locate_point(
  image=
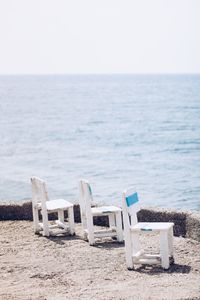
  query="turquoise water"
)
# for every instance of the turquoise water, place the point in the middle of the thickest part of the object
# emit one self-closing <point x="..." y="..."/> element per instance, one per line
<point x="114" y="130"/>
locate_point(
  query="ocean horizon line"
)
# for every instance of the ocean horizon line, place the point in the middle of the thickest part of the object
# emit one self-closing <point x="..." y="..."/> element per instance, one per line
<point x="103" y="74"/>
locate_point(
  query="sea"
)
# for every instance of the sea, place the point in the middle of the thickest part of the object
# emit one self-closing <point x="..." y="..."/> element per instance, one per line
<point x="116" y="131"/>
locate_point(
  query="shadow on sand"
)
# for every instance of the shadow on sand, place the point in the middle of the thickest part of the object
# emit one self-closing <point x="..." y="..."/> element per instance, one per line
<point x="109" y="245"/>
<point x="155" y="270"/>
<point x="61" y="239"/>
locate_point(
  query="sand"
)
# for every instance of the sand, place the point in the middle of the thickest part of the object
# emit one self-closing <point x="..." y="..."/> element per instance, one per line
<point x="56" y="268"/>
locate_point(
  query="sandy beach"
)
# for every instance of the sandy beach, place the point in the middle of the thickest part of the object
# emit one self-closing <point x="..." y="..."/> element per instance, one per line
<point x="39" y="268"/>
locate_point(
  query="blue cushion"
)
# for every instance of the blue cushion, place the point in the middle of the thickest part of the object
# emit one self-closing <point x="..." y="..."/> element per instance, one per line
<point x="132" y="199"/>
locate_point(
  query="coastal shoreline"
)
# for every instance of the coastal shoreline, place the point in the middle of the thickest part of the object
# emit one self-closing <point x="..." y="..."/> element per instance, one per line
<point x="187" y="223"/>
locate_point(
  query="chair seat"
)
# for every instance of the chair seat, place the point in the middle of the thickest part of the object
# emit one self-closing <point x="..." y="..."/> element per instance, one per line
<point x="53" y="205"/>
<point x="105" y="210"/>
<point x="154" y="226"/>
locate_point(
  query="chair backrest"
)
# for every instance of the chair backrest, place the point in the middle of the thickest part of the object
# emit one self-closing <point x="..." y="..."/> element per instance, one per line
<point x="39" y="192"/>
<point x="85" y="194"/>
<point x="85" y="200"/>
<point x="130" y="202"/>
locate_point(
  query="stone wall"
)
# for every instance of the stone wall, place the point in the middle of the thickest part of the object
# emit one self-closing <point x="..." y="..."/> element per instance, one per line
<point x="187" y="224"/>
<point x="22" y="210"/>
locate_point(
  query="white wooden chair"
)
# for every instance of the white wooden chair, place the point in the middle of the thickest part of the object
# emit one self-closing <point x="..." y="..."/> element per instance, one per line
<point x="41" y="203"/>
<point x="132" y="229"/>
<point x="88" y="212"/>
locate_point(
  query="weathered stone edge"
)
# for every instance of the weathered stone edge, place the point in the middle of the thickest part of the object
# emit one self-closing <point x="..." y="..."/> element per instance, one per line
<point x="187" y="223"/>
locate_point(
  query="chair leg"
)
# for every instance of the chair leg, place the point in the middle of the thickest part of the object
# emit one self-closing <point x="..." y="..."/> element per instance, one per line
<point x="128" y="252"/>
<point x="84" y="225"/>
<point x="90" y="230"/>
<point x="135" y="243"/>
<point x="129" y="261"/>
<point x="61" y="216"/>
<point x="132" y="246"/>
<point x="71" y="220"/>
<point x="119" y="227"/>
<point x="164" y="249"/>
<point x="36" y="220"/>
<point x="91" y="238"/>
<point x="111" y="219"/>
<point x="45" y="224"/>
<point x="83" y="222"/>
<point x="170" y="242"/>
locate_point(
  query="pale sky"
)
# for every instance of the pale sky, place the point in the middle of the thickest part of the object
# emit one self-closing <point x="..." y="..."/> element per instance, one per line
<point x="99" y="36"/>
